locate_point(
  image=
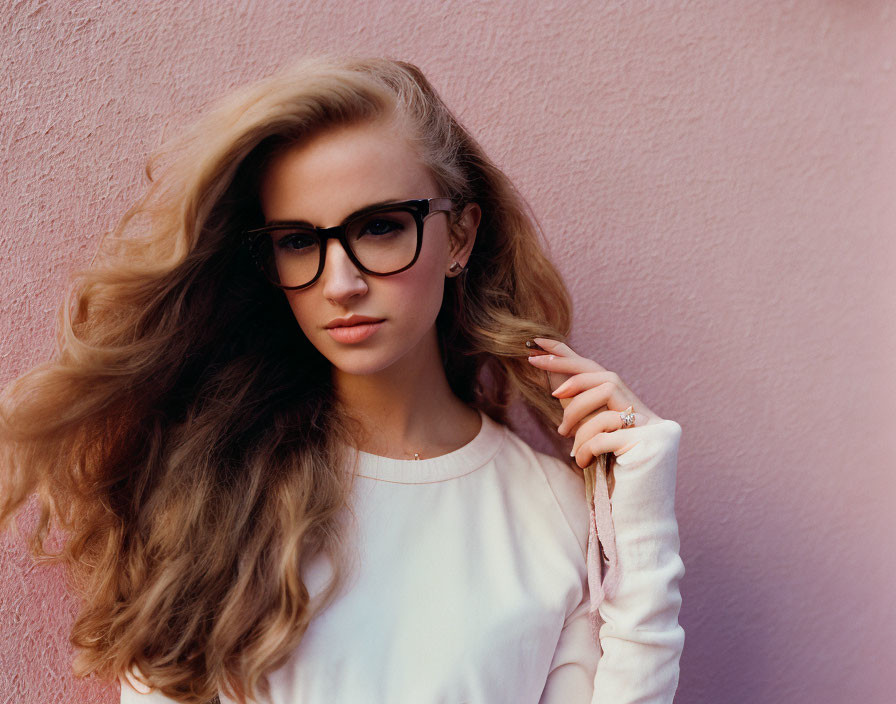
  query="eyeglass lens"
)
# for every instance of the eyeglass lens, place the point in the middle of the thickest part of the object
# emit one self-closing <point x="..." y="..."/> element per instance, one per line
<point x="383" y="241"/>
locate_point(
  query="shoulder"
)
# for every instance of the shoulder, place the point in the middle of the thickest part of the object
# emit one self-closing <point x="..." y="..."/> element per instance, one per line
<point x="563" y="487"/>
<point x="648" y="467"/>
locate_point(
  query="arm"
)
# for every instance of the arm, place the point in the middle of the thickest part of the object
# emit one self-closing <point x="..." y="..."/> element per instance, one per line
<point x="640" y="638"/>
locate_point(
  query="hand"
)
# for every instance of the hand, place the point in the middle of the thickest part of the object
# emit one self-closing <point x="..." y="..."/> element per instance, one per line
<point x="593" y="398"/>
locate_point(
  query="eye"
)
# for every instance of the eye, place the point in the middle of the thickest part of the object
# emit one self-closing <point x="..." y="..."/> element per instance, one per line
<point x="386" y="226"/>
<point x="293" y="241"/>
<point x="381" y="226"/>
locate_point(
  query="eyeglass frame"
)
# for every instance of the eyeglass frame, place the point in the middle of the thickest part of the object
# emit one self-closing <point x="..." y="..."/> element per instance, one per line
<point x="420" y="208"/>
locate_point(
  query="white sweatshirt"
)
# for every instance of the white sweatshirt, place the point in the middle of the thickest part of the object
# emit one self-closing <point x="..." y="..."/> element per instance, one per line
<point x="471" y="584"/>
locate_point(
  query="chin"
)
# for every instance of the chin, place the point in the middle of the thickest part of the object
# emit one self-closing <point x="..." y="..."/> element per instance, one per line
<point x="358" y="359"/>
<point x="358" y="366"/>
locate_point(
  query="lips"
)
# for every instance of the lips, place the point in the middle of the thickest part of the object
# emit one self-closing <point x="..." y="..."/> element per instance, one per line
<point x="354" y="325"/>
<point x="351" y="321"/>
<point x="354" y="333"/>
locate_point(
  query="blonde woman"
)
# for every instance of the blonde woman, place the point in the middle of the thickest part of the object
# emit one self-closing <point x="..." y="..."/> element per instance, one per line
<point x="275" y="429"/>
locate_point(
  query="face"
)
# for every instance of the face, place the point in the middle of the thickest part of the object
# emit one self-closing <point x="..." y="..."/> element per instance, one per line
<point x="322" y="181"/>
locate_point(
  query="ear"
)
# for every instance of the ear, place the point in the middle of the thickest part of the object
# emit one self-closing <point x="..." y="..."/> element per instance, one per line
<point x="463" y="235"/>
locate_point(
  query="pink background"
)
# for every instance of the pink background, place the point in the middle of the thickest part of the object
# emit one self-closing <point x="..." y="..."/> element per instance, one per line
<point x="718" y="183"/>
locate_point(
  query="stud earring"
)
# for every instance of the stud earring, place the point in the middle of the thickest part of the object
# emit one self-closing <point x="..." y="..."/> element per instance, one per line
<point x="455" y="267"/>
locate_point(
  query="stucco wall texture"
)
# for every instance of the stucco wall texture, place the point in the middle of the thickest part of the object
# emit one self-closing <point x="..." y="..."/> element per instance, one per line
<point x="717" y="184"/>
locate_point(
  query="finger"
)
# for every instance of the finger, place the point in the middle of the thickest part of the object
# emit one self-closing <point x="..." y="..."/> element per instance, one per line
<point x="578" y="383"/>
<point x="564" y="365"/>
<point x="606" y="396"/>
<point x="556" y="347"/>
<point x="602" y="423"/>
<point x="584" y="404"/>
<point x="617" y="442"/>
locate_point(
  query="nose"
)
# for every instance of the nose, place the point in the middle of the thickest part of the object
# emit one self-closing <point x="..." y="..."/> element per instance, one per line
<point x="340" y="279"/>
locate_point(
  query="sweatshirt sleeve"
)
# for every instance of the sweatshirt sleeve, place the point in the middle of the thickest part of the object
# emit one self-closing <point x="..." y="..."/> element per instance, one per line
<point x="637" y="659"/>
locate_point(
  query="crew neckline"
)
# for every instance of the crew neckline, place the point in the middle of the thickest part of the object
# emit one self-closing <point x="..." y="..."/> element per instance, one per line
<point x="465" y="459"/>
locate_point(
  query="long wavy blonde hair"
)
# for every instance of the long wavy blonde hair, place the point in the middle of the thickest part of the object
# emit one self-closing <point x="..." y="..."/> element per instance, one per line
<point x="185" y="437"/>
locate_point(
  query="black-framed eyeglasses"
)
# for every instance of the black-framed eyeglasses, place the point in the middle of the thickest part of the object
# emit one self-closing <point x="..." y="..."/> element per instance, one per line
<point x="381" y="239"/>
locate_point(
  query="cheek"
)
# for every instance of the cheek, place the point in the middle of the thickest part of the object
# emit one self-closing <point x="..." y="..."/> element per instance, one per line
<point x="418" y="292"/>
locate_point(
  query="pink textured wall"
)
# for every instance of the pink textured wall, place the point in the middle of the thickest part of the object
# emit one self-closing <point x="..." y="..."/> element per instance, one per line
<point x="718" y="182"/>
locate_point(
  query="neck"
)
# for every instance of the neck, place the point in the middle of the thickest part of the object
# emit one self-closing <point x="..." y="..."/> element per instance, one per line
<point x="408" y="407"/>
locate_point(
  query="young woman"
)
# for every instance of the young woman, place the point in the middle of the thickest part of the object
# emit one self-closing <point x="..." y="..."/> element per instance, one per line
<point x="275" y="430"/>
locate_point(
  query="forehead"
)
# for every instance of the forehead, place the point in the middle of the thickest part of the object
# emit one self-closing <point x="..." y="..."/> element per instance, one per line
<point x="342" y="169"/>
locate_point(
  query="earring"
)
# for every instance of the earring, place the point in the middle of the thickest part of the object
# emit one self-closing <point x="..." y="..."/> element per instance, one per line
<point x="455" y="267"/>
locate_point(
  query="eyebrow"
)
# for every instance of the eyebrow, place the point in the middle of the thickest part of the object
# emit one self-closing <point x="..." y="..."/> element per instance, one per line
<point x="360" y="211"/>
